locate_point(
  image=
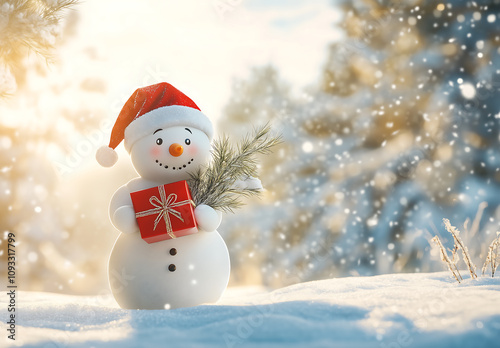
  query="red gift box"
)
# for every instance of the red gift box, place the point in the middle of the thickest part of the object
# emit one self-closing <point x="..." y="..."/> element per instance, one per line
<point x="164" y="212"/>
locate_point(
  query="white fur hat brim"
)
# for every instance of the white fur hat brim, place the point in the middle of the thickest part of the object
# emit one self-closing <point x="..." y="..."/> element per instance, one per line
<point x="165" y="117"/>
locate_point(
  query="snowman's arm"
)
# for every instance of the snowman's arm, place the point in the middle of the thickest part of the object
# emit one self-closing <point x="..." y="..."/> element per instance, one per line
<point x="121" y="211"/>
<point x="207" y="218"/>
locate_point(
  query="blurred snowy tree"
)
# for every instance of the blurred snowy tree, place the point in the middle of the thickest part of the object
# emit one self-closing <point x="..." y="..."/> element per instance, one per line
<point x="402" y="130"/>
<point x="42" y="118"/>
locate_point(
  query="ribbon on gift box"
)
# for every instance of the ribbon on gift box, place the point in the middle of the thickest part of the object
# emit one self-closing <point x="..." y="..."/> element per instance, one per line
<point x="164" y="206"/>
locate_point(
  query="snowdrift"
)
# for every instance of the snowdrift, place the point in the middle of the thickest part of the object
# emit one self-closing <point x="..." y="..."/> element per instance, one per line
<point x="397" y="310"/>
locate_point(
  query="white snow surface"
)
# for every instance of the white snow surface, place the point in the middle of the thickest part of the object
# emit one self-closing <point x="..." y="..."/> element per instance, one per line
<point x="396" y="310"/>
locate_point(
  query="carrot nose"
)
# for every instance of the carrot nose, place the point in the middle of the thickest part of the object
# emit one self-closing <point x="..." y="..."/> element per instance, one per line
<point x="175" y="150"/>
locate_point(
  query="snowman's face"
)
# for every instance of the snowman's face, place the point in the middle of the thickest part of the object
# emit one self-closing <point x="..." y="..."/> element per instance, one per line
<point x="170" y="154"/>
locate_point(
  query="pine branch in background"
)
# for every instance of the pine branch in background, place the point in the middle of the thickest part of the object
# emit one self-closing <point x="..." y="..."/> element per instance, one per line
<point x="460" y="244"/>
<point x="493" y="257"/>
<point x="215" y="185"/>
<point x="444" y="257"/>
<point x="27" y="25"/>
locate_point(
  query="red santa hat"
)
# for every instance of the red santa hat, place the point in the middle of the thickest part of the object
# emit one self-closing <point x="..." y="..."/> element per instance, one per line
<point x="149" y="108"/>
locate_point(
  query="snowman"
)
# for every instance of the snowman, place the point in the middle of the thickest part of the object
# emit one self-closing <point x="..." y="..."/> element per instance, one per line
<point x="167" y="137"/>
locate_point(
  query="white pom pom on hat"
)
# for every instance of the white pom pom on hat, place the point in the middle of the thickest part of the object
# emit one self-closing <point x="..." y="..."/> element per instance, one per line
<point x="106" y="156"/>
<point x="149" y="108"/>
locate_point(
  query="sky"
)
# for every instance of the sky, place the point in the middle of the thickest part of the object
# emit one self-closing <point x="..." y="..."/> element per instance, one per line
<point x="200" y="46"/>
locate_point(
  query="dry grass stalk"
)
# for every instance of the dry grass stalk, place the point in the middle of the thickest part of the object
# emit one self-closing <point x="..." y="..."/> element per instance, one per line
<point x="444" y="257"/>
<point x="493" y="257"/>
<point x="460" y="244"/>
<point x="475" y="224"/>
<point x="454" y="255"/>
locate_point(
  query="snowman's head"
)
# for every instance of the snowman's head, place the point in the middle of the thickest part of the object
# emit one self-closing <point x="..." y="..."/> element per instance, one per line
<point x="164" y="131"/>
<point x="170" y="154"/>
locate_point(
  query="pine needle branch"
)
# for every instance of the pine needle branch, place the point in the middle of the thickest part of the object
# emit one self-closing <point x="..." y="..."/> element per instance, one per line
<point x="31" y="23"/>
<point x="215" y="185"/>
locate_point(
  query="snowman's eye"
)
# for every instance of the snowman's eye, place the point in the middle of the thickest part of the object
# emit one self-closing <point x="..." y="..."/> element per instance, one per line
<point x="187" y="141"/>
<point x="159" y="141"/>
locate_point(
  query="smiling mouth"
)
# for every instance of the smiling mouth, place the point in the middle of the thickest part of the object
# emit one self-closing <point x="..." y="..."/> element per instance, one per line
<point x="175" y="168"/>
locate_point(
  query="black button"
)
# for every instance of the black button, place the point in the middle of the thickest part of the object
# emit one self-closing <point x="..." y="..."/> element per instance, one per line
<point x="171" y="267"/>
<point x="173" y="251"/>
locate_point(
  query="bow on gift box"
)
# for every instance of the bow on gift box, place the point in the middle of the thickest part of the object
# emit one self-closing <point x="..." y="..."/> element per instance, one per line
<point x="164" y="206"/>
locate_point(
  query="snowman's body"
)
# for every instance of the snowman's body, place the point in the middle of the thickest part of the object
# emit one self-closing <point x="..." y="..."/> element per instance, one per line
<point x="180" y="272"/>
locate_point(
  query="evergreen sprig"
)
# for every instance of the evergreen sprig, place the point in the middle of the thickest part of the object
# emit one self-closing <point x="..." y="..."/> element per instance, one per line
<point x="27" y="26"/>
<point x="215" y="184"/>
<point x="32" y="24"/>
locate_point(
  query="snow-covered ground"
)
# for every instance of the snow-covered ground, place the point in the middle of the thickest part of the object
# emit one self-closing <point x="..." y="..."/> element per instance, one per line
<point x="397" y="310"/>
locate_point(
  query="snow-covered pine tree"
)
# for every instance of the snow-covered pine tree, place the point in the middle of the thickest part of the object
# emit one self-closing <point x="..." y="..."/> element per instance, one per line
<point x="402" y="130"/>
<point x="27" y="26"/>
